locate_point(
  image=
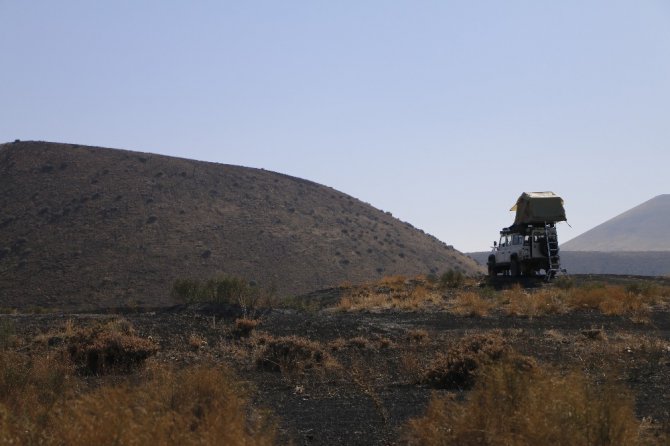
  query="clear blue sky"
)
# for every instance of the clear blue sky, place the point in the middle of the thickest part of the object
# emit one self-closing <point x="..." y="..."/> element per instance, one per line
<point x="440" y="112"/>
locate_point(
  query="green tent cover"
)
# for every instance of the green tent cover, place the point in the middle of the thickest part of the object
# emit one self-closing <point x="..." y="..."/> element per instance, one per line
<point x="538" y="208"/>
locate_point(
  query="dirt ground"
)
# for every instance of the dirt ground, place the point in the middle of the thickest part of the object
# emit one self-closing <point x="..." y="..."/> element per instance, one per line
<point x="368" y="382"/>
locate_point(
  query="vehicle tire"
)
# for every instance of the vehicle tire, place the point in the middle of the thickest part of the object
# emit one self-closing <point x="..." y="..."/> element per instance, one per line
<point x="514" y="269"/>
<point x="492" y="266"/>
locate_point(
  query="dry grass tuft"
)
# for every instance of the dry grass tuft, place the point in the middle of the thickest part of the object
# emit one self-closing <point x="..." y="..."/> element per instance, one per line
<point x="418" y="335"/>
<point x="393" y="293"/>
<point x="595" y="334"/>
<point x="513" y="406"/>
<point x="104" y="351"/>
<point x="43" y="402"/>
<point x="243" y="327"/>
<point x="471" y="304"/>
<point x="201" y="405"/>
<point x="292" y="355"/>
<point x="29" y="388"/>
<point x="360" y="343"/>
<point x="112" y="347"/>
<point x="196" y="342"/>
<point x="459" y="367"/>
<point x="612" y="300"/>
<point x="521" y="303"/>
<point x="393" y="281"/>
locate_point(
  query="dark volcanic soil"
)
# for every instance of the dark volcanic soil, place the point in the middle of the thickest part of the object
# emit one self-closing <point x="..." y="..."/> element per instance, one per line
<point x="373" y="390"/>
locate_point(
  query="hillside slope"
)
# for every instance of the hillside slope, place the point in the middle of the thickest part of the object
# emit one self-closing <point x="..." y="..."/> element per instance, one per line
<point x="642" y="228"/>
<point x="103" y="227"/>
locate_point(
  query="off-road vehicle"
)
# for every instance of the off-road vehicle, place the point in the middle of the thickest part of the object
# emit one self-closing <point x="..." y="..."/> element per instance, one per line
<point x="530" y="245"/>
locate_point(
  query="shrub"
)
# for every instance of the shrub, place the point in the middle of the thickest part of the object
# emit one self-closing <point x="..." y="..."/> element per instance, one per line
<point x="223" y="290"/>
<point x="564" y="282"/>
<point x="452" y="279"/>
<point x="187" y="290"/>
<point x="518" y="406"/>
<point x="292" y="354"/>
<point x="458" y="368"/>
<point x="104" y="348"/>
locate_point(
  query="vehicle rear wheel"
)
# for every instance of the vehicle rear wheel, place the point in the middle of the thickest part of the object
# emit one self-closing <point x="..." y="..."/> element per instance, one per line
<point x="492" y="266"/>
<point x="514" y="268"/>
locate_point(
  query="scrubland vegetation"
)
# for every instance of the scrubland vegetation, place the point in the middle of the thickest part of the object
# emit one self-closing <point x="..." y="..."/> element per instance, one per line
<point x="422" y="361"/>
<point x="96" y="385"/>
<point x="465" y="297"/>
<point x="517" y="403"/>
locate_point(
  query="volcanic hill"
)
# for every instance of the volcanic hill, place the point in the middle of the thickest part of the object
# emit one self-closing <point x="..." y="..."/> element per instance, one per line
<point x="642" y="228"/>
<point x="94" y="227"/>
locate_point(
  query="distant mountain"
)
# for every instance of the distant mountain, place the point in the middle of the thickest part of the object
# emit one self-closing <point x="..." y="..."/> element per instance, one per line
<point x="649" y="263"/>
<point x="103" y="227"/>
<point x="642" y="228"/>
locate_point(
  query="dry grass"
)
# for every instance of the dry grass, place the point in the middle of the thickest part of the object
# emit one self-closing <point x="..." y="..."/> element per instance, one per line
<point x="44" y="401"/>
<point x="460" y="366"/>
<point x="30" y="386"/>
<point x="243" y="327"/>
<point x="469" y="303"/>
<point x="393" y="293"/>
<point x="415" y="298"/>
<point x="634" y="300"/>
<point x="292" y="355"/>
<point x="201" y="405"/>
<point x="393" y="281"/>
<point x="104" y="348"/>
<point x="529" y="406"/>
<point x="418" y="335"/>
<point x="196" y="342"/>
<point x="519" y="302"/>
<point x="101" y="348"/>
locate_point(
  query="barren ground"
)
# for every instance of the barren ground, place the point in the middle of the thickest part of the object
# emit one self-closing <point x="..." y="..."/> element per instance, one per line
<point x="373" y="385"/>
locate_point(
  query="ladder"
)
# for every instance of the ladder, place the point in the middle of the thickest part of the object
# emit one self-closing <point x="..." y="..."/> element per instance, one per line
<point x="553" y="262"/>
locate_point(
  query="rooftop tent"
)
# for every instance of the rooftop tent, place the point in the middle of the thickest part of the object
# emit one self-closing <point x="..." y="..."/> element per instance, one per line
<point x="538" y="208"/>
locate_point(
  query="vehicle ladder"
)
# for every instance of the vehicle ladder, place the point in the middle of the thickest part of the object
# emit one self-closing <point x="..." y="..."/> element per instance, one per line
<point x="553" y="261"/>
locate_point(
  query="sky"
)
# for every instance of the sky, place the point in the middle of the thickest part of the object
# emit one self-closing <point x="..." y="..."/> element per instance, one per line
<point x="440" y="112"/>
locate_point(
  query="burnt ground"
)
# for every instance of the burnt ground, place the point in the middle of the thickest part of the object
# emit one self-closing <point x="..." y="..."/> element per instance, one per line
<point x="373" y="385"/>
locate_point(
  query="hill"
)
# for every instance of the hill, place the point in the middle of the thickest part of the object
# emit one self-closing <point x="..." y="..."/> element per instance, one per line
<point x="642" y="228"/>
<point x="104" y="227"/>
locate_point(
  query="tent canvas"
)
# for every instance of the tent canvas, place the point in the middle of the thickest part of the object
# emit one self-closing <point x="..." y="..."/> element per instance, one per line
<point x="538" y="208"/>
